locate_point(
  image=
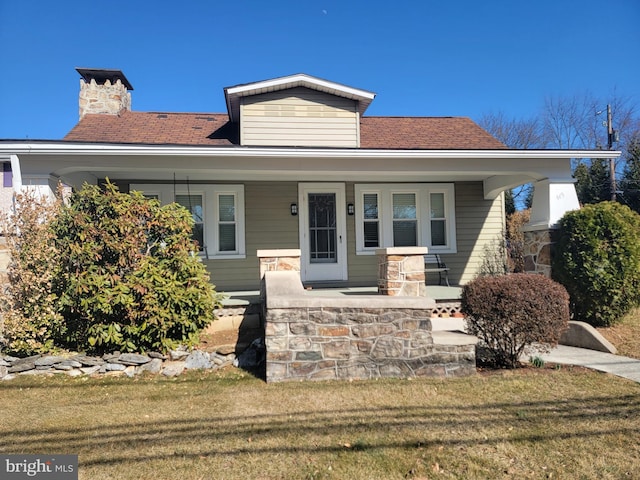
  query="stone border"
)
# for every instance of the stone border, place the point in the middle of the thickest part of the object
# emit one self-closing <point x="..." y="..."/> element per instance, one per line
<point x="114" y="364"/>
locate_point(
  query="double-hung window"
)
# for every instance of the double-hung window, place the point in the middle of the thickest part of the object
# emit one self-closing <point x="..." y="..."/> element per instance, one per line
<point x="217" y="212"/>
<point x="195" y="205"/>
<point x="403" y="215"/>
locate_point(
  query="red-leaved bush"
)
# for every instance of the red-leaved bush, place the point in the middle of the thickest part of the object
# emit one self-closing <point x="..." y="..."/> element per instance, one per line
<point x="509" y="312"/>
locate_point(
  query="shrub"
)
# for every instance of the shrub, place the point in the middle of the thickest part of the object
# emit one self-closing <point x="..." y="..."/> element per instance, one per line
<point x="494" y="258"/>
<point x="509" y="312"/>
<point x="597" y="259"/>
<point x="515" y="239"/>
<point x="132" y="277"/>
<point x="29" y="310"/>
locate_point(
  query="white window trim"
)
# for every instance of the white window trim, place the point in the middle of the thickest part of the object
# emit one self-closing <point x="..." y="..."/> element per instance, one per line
<point x="423" y="193"/>
<point x="210" y="194"/>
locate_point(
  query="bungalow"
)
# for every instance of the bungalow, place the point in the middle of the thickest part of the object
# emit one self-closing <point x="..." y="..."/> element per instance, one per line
<point x="294" y="163"/>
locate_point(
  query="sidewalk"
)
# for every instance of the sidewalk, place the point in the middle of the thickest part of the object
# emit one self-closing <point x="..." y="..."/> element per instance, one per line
<point x="605" y="362"/>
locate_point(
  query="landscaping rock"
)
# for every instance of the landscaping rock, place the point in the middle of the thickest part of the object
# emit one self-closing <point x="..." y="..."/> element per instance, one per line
<point x="130" y="371"/>
<point x="175" y="355"/>
<point x="48" y="360"/>
<point x="3" y="362"/>
<point x="60" y="366"/>
<point x="10" y="376"/>
<point x="133" y="359"/>
<point x="197" y="360"/>
<point x="111" y="357"/>
<point x="252" y="357"/>
<point x="74" y="373"/>
<point x="90" y="370"/>
<point x="157" y="355"/>
<point x="173" y="368"/>
<point x="226" y="349"/>
<point x="114" y="367"/>
<point x="21" y="366"/>
<point x="88" y="361"/>
<point x="4" y="371"/>
<point x="154" y="366"/>
<point x="71" y="363"/>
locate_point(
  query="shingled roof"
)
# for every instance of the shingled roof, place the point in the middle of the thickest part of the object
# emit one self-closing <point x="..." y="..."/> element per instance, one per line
<point x="214" y="129"/>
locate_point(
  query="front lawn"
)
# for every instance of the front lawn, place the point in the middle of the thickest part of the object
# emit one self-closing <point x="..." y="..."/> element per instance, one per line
<point x="528" y="424"/>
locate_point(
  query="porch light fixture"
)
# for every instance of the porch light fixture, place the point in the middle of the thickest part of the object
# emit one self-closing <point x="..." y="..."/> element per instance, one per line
<point x="350" y="209"/>
<point x="294" y="209"/>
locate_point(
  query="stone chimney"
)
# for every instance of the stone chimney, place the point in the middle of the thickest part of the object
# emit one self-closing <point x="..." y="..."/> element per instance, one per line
<point x="103" y="91"/>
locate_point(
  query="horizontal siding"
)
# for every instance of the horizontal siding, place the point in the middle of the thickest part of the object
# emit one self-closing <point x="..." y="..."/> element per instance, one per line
<point x="268" y="224"/>
<point x="479" y="222"/>
<point x="299" y="117"/>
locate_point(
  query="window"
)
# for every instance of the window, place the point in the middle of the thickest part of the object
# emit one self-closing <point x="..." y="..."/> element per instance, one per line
<point x="195" y="205"/>
<point x="217" y="212"/>
<point x="400" y="215"/>
<point x="405" y="221"/>
<point x="227" y="224"/>
<point x="371" y="224"/>
<point x="7" y="176"/>
<point x="438" y="219"/>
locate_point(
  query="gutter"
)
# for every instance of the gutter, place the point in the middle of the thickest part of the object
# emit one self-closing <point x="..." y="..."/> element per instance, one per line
<point x="262" y="152"/>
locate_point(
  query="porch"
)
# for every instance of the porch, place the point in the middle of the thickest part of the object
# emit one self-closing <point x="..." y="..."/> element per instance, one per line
<point x="242" y="308"/>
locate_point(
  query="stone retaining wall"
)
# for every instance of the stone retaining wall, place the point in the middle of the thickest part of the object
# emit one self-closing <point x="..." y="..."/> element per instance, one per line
<point x="318" y="338"/>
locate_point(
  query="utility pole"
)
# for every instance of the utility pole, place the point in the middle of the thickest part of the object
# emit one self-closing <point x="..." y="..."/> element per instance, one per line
<point x="612" y="163"/>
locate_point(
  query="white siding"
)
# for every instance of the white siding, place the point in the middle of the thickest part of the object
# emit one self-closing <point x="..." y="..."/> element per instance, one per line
<point x="299" y="117"/>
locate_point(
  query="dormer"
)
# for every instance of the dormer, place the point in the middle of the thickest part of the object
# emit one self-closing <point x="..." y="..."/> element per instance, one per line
<point x="297" y="111"/>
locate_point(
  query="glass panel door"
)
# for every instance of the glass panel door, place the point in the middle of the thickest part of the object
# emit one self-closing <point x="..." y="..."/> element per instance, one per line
<point x="322" y="228"/>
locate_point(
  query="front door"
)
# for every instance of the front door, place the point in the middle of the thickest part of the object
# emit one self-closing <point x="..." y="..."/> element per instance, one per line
<point x="323" y="240"/>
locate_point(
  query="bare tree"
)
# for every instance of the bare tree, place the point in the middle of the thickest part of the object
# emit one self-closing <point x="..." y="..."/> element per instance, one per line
<point x="517" y="134"/>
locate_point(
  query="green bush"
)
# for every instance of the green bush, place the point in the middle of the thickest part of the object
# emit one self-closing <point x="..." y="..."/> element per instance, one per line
<point x="29" y="316"/>
<point x="509" y="312"/>
<point x="132" y="280"/>
<point x="597" y="259"/>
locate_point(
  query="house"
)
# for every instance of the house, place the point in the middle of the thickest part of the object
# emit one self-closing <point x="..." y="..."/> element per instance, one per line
<point x="295" y="163"/>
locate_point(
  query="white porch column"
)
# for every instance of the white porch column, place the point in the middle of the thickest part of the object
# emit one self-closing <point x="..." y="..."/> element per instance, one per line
<point x="551" y="200"/>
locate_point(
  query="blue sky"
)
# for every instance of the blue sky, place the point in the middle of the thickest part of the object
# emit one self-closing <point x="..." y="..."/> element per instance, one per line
<point x="421" y="57"/>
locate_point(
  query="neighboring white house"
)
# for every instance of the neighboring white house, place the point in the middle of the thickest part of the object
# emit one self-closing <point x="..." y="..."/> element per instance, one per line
<point x="296" y="163"/>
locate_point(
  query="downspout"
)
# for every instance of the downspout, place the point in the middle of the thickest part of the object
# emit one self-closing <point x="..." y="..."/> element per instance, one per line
<point x="16" y="174"/>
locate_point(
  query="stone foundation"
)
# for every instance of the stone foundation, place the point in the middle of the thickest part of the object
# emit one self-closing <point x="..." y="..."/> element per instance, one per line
<point x="356" y="337"/>
<point x="358" y="343"/>
<point x="538" y="245"/>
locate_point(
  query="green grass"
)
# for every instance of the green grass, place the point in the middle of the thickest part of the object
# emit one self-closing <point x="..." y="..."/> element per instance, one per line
<point x="529" y="423"/>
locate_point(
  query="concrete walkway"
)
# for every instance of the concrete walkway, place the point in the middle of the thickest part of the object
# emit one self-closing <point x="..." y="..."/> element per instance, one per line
<point x="605" y="362"/>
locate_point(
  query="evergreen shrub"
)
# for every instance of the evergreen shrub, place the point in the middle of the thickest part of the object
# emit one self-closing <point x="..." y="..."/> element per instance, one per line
<point x="29" y="317"/>
<point x="106" y="271"/>
<point x="597" y="259"/>
<point x="510" y="312"/>
<point x="132" y="277"/>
